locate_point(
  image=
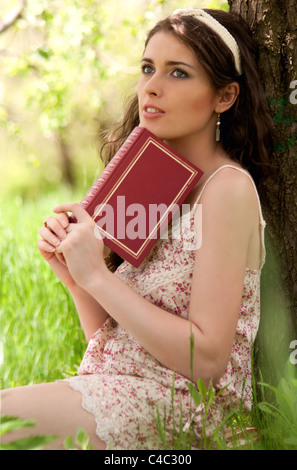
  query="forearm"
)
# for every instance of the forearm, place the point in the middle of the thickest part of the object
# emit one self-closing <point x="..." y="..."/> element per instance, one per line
<point x="164" y="335"/>
<point x="90" y="312"/>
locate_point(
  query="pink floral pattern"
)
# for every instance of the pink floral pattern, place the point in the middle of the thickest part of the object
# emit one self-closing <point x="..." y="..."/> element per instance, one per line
<point x="123" y="385"/>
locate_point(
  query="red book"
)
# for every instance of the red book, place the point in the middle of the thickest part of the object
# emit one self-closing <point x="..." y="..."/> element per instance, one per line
<point x="138" y="193"/>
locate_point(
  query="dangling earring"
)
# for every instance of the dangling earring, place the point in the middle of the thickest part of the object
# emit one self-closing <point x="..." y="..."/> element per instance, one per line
<point x="218" y="129"/>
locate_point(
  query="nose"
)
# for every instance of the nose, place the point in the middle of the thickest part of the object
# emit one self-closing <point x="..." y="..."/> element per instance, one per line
<point x="153" y="86"/>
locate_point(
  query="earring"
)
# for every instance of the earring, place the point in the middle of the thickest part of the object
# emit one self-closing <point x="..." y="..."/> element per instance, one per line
<point x="218" y="129"/>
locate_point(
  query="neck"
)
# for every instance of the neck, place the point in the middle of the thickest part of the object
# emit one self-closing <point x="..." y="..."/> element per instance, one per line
<point x="207" y="156"/>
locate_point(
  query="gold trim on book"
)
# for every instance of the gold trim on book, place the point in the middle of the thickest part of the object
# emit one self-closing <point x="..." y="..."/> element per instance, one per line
<point x="192" y="171"/>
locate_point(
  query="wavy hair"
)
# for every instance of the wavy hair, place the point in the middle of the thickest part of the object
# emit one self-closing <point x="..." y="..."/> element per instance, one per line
<point x="246" y="128"/>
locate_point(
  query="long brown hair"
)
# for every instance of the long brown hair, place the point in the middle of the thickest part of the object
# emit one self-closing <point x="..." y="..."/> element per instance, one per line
<point x="246" y="128"/>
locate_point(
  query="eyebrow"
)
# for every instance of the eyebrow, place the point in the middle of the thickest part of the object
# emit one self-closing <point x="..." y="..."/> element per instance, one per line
<point x="169" y="62"/>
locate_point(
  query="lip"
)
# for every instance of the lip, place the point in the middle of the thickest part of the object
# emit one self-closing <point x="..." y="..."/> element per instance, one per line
<point x="148" y="115"/>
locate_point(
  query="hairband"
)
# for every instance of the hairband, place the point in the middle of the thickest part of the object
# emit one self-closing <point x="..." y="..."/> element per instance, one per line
<point x="224" y="34"/>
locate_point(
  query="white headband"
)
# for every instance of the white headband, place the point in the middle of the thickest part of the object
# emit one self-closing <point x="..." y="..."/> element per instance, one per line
<point x="224" y="34"/>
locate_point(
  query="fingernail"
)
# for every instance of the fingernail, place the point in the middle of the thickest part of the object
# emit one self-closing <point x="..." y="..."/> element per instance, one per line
<point x="62" y="234"/>
<point x="64" y="223"/>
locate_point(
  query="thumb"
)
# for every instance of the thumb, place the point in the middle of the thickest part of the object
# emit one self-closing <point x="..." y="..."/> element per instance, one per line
<point x="99" y="234"/>
<point x="77" y="210"/>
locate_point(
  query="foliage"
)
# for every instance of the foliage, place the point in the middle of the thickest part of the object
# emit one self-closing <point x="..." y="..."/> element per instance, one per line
<point x="269" y="426"/>
<point x="10" y="423"/>
<point x="42" y="340"/>
<point x="81" y="441"/>
<point x="230" y="433"/>
<point x="281" y="415"/>
<point x="40" y="332"/>
<point x="61" y="69"/>
<point x="66" y="68"/>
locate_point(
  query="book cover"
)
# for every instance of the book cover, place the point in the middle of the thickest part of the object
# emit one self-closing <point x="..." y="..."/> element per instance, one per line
<point x="138" y="193"/>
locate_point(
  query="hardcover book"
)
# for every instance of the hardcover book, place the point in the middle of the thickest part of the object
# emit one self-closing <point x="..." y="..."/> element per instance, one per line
<point x="138" y="193"/>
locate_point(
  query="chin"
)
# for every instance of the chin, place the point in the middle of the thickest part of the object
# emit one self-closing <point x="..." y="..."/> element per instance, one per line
<point x="155" y="129"/>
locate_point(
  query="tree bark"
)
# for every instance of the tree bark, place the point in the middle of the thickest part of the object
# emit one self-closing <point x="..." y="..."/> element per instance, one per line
<point x="273" y="23"/>
<point x="66" y="161"/>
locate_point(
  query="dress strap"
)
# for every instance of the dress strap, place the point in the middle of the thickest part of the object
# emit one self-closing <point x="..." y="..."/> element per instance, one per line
<point x="262" y="221"/>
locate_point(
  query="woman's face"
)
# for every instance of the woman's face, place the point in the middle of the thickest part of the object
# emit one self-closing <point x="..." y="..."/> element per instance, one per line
<point x="176" y="99"/>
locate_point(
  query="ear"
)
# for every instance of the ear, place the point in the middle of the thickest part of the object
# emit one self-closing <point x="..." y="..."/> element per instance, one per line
<point x="227" y="97"/>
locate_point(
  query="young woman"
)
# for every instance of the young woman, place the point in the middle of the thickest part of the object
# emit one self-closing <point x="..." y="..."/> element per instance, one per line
<point x="199" y="91"/>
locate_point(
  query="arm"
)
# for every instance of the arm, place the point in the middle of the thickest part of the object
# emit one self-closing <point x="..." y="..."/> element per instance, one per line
<point x="216" y="290"/>
<point x="230" y="215"/>
<point x="91" y="314"/>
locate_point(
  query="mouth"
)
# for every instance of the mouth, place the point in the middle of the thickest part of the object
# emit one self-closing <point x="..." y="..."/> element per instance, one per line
<point x="152" y="111"/>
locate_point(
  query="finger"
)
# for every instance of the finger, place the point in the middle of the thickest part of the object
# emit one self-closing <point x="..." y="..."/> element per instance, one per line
<point x="61" y="258"/>
<point x="77" y="210"/>
<point x="55" y="227"/>
<point x="49" y="237"/>
<point x="61" y="249"/>
<point x="63" y="219"/>
<point x="98" y="233"/>
<point x="45" y="246"/>
<point x="70" y="228"/>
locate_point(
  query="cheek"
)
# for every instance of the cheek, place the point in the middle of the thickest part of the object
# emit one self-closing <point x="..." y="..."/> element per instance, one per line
<point x="203" y="103"/>
<point x="140" y="95"/>
<point x="139" y="89"/>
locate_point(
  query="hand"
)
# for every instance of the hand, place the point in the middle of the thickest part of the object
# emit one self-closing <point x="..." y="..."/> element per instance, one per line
<point x="83" y="248"/>
<point x="52" y="233"/>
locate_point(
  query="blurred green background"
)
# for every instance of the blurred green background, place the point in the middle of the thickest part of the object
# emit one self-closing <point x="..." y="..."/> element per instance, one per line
<point x="67" y="67"/>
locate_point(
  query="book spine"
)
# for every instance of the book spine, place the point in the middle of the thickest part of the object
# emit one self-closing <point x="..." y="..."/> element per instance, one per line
<point x="111" y="167"/>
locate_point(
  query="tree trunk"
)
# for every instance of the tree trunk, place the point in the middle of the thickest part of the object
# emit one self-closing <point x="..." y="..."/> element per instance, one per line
<point x="273" y="23"/>
<point x="66" y="161"/>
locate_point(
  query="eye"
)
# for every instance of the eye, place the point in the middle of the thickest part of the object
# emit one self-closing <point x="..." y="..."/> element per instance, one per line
<point x="179" y="73"/>
<point x="147" y="69"/>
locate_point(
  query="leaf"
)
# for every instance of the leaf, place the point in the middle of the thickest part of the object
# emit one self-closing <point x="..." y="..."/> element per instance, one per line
<point x="28" y="443"/>
<point x="194" y="393"/>
<point x="69" y="444"/>
<point x="210" y="394"/>
<point x="202" y="388"/>
<point x="44" y="53"/>
<point x="82" y="438"/>
<point x="161" y="429"/>
<point x="10" y="423"/>
<point x="221" y="390"/>
<point x="270" y="387"/>
<point x="267" y="409"/>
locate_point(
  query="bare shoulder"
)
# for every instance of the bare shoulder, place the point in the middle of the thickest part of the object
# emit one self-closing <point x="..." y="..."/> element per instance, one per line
<point x="230" y="186"/>
<point x="229" y="202"/>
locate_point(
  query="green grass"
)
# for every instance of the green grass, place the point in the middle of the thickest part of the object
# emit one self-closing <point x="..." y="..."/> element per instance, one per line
<point x="41" y="338"/>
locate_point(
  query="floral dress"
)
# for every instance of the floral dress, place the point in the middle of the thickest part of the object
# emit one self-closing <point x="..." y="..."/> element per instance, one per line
<point x="124" y="387"/>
